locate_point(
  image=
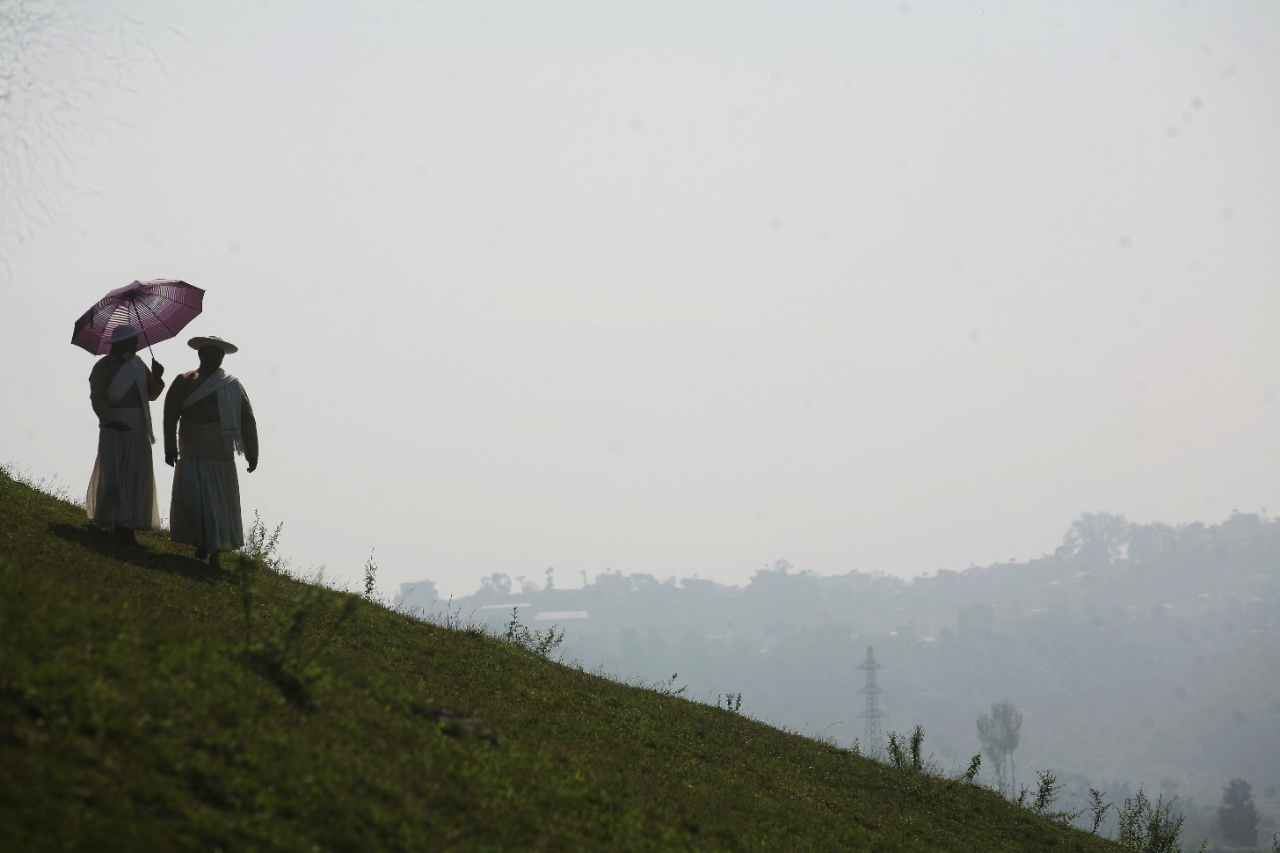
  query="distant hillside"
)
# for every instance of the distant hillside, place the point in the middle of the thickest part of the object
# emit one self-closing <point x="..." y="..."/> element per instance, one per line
<point x="140" y="710"/>
<point x="1140" y="654"/>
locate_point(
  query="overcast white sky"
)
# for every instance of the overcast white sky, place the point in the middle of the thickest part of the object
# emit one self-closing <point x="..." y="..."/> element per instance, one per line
<point x="687" y="288"/>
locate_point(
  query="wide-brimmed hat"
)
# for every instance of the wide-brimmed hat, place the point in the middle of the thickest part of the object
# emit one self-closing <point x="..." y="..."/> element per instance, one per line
<point x="212" y="341"/>
<point x="123" y="333"/>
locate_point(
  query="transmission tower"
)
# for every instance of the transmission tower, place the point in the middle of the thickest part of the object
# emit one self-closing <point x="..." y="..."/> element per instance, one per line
<point x="873" y="737"/>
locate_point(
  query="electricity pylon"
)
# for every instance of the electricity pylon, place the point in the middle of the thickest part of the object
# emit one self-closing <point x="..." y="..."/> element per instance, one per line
<point x="873" y="737"/>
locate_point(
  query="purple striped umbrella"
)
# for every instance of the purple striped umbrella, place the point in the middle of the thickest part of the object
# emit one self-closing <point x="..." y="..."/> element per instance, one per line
<point x="160" y="308"/>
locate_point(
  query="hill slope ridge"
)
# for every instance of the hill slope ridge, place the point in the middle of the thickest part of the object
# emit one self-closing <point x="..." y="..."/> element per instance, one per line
<point x="141" y="709"/>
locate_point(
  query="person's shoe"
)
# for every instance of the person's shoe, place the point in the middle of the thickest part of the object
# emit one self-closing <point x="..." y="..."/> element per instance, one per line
<point x="126" y="534"/>
<point x="201" y="554"/>
<point x="214" y="562"/>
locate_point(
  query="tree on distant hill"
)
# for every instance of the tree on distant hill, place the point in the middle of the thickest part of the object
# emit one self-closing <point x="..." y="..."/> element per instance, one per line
<point x="1000" y="733"/>
<point x="497" y="583"/>
<point x="1237" y="818"/>
<point x="1098" y="537"/>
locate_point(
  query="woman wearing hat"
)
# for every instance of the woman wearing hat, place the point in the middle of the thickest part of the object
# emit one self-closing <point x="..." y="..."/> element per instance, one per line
<point x="207" y="420"/>
<point x="122" y="489"/>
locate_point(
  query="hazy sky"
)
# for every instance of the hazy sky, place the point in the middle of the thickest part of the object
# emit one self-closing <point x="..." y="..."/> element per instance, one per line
<point x="684" y="288"/>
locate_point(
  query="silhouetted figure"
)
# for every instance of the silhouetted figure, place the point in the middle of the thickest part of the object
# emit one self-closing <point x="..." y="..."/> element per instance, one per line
<point x="207" y="420"/>
<point x="122" y="488"/>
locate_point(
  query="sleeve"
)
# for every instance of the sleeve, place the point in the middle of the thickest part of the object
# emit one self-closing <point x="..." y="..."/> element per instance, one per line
<point x="98" y="392"/>
<point x="248" y="429"/>
<point x="172" y="411"/>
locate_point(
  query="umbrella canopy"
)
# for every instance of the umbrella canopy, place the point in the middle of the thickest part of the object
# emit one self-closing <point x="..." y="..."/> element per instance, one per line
<point x="160" y="308"/>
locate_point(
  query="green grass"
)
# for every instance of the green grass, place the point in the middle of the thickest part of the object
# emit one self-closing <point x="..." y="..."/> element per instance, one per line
<point x="136" y="715"/>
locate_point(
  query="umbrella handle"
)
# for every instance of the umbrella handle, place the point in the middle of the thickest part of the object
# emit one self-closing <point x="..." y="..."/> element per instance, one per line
<point x="133" y="303"/>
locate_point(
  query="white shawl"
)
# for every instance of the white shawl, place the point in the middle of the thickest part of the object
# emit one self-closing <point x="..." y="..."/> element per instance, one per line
<point x="229" y="394"/>
<point x="133" y="373"/>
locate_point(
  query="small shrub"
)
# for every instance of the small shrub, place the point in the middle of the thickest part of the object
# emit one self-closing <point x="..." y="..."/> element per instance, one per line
<point x="1097" y="808"/>
<point x="261" y="546"/>
<point x="1047" y="792"/>
<point x="897" y="751"/>
<point x="905" y="752"/>
<point x="370" y="578"/>
<point x="541" y="643"/>
<point x="1144" y="826"/>
<point x="1147" y="827"/>
<point x="975" y="764"/>
<point x="731" y="702"/>
<point x="917" y="743"/>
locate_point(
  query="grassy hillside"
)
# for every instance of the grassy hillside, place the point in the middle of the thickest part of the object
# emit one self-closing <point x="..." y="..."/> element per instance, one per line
<point x="138" y="712"/>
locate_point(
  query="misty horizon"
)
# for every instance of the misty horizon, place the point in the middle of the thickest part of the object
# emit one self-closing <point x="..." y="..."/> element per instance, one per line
<point x="669" y="290"/>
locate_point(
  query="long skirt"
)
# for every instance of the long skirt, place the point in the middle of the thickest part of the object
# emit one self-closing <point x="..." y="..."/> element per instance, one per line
<point x="205" y="511"/>
<point x="122" y="487"/>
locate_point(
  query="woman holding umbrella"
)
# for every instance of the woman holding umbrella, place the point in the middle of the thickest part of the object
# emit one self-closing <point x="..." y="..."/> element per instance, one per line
<point x="122" y="489"/>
